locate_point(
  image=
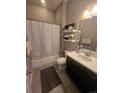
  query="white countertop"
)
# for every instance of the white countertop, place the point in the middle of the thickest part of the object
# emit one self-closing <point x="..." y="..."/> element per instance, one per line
<point x="89" y="62"/>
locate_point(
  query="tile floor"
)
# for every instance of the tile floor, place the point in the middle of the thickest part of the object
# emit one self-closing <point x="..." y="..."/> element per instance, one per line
<point x="67" y="84"/>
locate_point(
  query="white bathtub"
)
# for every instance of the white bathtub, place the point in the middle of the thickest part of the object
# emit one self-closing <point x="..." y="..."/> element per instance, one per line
<point x="36" y="63"/>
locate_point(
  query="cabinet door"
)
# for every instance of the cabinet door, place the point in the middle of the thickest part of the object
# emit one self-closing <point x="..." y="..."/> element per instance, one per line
<point x="88" y="79"/>
<point x="74" y="72"/>
<point x="71" y="69"/>
<point x="85" y="79"/>
<point x="92" y="78"/>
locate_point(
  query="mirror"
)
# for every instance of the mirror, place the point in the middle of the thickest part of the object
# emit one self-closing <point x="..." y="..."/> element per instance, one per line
<point x="88" y="29"/>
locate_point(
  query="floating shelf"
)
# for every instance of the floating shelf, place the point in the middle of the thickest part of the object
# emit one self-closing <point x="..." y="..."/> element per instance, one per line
<point x="70" y="31"/>
<point x="69" y="40"/>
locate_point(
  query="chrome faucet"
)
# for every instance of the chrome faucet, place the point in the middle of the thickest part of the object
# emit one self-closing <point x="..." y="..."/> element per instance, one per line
<point x="79" y="48"/>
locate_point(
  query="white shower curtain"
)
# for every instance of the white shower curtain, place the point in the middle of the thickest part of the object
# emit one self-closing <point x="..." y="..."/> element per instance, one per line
<point x="44" y="37"/>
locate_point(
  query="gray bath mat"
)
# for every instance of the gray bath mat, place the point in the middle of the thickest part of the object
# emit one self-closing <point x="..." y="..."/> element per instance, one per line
<point x="49" y="79"/>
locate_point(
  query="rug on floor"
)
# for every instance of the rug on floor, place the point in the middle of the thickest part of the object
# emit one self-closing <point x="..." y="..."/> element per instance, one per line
<point x="49" y="79"/>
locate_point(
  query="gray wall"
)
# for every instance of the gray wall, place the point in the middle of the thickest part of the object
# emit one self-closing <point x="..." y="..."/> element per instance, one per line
<point x="88" y="29"/>
<point x="60" y="18"/>
<point x="58" y="15"/>
<point x="76" y="9"/>
<point x="75" y="14"/>
<point x="34" y="11"/>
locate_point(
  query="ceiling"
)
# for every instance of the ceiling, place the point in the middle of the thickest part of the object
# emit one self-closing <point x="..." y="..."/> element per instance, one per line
<point x="50" y="4"/>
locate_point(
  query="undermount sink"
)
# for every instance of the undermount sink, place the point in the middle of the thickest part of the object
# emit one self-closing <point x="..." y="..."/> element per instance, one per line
<point x="86" y="58"/>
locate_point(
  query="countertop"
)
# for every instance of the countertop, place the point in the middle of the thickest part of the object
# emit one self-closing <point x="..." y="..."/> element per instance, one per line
<point x="90" y="62"/>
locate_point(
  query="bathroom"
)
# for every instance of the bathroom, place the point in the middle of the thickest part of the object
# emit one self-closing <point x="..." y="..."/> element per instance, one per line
<point x="61" y="46"/>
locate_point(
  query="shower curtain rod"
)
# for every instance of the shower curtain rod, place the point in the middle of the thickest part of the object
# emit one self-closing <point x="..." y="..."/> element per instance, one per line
<point x="41" y="21"/>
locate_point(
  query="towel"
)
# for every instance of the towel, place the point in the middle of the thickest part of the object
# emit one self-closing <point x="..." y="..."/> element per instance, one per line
<point x="29" y="48"/>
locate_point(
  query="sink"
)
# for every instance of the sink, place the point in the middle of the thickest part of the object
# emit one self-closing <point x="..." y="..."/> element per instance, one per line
<point x="86" y="58"/>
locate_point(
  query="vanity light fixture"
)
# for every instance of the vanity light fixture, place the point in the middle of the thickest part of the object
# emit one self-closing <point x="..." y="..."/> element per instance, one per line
<point x="43" y="1"/>
<point x="86" y="14"/>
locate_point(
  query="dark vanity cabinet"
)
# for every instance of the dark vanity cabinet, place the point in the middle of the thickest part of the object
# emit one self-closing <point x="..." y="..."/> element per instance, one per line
<point x="85" y="79"/>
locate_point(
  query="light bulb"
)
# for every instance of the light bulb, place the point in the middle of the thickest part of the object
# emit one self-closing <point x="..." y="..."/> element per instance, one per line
<point x="86" y="13"/>
<point x="43" y="1"/>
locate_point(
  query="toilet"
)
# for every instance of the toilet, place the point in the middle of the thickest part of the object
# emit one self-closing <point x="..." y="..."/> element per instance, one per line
<point x="61" y="62"/>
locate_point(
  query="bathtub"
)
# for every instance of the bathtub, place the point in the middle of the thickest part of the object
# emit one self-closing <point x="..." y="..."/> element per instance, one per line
<point x="41" y="62"/>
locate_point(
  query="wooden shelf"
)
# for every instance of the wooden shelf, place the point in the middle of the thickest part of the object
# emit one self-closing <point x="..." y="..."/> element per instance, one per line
<point x="70" y="31"/>
<point x="69" y="40"/>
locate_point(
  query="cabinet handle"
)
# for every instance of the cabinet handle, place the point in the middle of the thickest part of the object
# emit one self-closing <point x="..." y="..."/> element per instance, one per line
<point x="90" y="75"/>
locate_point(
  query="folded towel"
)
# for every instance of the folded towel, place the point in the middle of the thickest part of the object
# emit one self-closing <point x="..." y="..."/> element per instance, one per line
<point x="29" y="48"/>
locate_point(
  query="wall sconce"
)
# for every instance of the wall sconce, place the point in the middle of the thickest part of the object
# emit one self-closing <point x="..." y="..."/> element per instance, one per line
<point x="43" y="1"/>
<point x="88" y="14"/>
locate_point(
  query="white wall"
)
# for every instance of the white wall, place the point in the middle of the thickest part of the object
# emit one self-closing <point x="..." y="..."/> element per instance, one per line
<point x="37" y="12"/>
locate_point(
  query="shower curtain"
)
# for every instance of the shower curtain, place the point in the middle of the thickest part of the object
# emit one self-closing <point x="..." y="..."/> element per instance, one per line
<point x="44" y="38"/>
